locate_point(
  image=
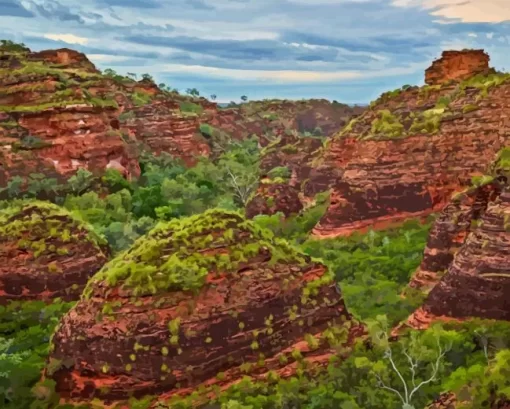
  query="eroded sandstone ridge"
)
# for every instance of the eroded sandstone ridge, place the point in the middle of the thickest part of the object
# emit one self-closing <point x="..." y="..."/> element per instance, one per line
<point x="457" y="65"/>
<point x="208" y="298"/>
<point x="57" y="114"/>
<point x="411" y="150"/>
<point x="45" y="253"/>
<point x="477" y="280"/>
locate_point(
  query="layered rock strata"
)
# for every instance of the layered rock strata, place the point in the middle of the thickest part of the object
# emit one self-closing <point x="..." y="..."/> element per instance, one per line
<point x="477" y="282"/>
<point x="45" y="253"/>
<point x="411" y="150"/>
<point x="206" y="299"/>
<point x="457" y="65"/>
<point x="57" y="113"/>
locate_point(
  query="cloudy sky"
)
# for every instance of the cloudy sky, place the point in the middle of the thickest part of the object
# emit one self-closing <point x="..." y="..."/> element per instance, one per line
<point x="348" y="50"/>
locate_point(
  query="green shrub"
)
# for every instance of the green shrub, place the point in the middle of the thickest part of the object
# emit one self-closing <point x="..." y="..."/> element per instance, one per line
<point x="387" y="125"/>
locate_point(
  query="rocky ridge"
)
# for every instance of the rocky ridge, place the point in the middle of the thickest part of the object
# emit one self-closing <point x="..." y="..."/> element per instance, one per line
<point x="59" y="113"/>
<point x="45" y="253"/>
<point x="411" y="150"/>
<point x="248" y="303"/>
<point x="477" y="280"/>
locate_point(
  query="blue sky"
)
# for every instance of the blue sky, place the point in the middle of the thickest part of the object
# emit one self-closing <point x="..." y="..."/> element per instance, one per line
<point x="345" y="50"/>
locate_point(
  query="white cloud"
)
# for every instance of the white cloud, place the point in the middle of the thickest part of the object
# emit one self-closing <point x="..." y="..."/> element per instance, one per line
<point x="473" y="35"/>
<point x="468" y="11"/>
<point x="67" y="38"/>
<point x="105" y="58"/>
<point x="489" y="35"/>
<point x="287" y="76"/>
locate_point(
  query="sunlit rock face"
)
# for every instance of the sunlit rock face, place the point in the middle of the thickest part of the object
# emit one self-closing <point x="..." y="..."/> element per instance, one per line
<point x="457" y="66"/>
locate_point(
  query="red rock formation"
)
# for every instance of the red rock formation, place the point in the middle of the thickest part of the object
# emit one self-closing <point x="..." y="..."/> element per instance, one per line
<point x="477" y="282"/>
<point x="163" y="128"/>
<point x="214" y="307"/>
<point x="449" y="232"/>
<point x="272" y="198"/>
<point x="406" y="155"/>
<point x="64" y="58"/>
<point x="57" y="118"/>
<point x="457" y="66"/>
<point x="45" y="253"/>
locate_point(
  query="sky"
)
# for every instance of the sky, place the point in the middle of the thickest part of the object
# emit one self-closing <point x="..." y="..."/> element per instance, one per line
<point x="345" y="50"/>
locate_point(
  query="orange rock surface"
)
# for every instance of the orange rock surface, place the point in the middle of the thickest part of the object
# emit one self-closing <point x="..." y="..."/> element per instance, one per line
<point x="457" y="66"/>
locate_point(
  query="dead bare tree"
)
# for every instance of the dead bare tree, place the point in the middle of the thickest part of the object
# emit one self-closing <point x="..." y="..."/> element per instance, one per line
<point x="409" y="391"/>
<point x="242" y="189"/>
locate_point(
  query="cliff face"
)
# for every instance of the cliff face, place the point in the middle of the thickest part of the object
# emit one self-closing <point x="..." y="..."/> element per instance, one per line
<point x="477" y="282"/>
<point x="449" y="232"/>
<point x="162" y="127"/>
<point x="204" y="297"/>
<point x="411" y="150"/>
<point x="457" y="65"/>
<point x="45" y="253"/>
<point x="58" y="113"/>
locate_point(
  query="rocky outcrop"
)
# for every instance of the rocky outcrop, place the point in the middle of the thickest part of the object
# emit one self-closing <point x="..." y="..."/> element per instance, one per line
<point x="204" y="299"/>
<point x="410" y="151"/>
<point x="164" y="128"/>
<point x="457" y="66"/>
<point x="57" y="113"/>
<point x="45" y="253"/>
<point x="272" y="198"/>
<point x="449" y="232"/>
<point x="477" y="282"/>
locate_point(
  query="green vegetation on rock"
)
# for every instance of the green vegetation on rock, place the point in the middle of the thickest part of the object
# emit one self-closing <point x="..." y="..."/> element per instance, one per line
<point x="387" y="124"/>
<point x="176" y="255"/>
<point x="34" y="224"/>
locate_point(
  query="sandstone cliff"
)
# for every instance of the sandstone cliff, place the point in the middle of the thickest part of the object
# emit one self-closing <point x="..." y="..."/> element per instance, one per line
<point x="457" y="65"/>
<point x="405" y="155"/>
<point x="204" y="299"/>
<point x="57" y="114"/>
<point x="45" y="253"/>
<point x="477" y="281"/>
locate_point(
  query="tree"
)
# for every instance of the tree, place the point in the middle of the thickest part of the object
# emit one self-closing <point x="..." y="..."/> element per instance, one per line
<point x="407" y="369"/>
<point x="244" y="98"/>
<point x="147" y="77"/>
<point x="213" y="97"/>
<point x="109" y="72"/>
<point x="132" y="75"/>
<point x="81" y="181"/>
<point x="193" y="92"/>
